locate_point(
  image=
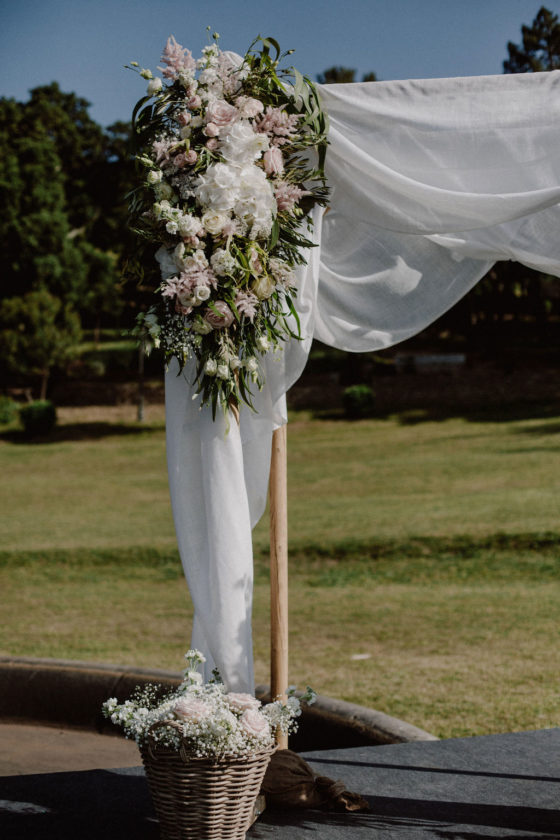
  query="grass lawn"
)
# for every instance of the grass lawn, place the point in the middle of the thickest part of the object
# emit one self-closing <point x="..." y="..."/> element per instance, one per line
<point x="430" y="548"/>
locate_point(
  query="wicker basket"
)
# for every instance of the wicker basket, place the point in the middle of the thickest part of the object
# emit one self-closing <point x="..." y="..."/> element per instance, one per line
<point x="202" y="799"/>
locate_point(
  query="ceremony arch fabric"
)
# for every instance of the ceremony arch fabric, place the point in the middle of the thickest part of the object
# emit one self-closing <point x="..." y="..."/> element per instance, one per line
<point x="432" y="182"/>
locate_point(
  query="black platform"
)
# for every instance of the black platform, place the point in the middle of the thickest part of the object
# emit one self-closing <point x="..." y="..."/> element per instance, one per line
<point x="505" y="786"/>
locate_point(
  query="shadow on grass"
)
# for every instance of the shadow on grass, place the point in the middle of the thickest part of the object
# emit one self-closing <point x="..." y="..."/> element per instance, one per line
<point x="504" y="413"/>
<point x="79" y="431"/>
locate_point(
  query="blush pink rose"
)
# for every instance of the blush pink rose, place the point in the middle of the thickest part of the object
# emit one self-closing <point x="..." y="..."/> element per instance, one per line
<point x="273" y="161"/>
<point x="212" y="130"/>
<point x="191" y="708"/>
<point x="242" y="702"/>
<point x="221" y="114"/>
<point x="212" y="144"/>
<point x="254" y="723"/>
<point x="249" y="107"/>
<point x="222" y="318"/>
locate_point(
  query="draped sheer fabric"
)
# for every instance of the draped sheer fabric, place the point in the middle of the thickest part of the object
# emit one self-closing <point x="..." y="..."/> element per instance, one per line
<point x="432" y="182"/>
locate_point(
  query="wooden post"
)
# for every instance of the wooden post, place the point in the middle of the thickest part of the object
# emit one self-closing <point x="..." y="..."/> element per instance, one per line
<point x="278" y="492"/>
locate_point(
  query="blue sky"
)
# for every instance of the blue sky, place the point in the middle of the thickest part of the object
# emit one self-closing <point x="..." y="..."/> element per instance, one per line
<point x="84" y="45"/>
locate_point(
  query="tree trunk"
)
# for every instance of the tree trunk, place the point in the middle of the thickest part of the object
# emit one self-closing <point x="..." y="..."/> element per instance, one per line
<point x="44" y="381"/>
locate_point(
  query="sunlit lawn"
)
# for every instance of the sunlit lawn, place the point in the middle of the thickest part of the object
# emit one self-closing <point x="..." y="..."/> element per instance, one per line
<point x="395" y="555"/>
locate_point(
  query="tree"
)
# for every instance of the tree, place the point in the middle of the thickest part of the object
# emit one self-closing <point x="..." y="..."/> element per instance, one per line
<point x="78" y="141"/>
<point x="103" y="294"/>
<point x="62" y="201"/>
<point x="540" y="47"/>
<point x="341" y="75"/>
<point x="34" y="227"/>
<point x="37" y="332"/>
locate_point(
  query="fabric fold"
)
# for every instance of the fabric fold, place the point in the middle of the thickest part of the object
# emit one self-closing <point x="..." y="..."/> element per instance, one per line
<point x="432" y="182"/>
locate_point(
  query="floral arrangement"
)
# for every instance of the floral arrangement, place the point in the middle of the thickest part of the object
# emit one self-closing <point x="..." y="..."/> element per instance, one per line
<point x="232" y="151"/>
<point x="213" y="722"/>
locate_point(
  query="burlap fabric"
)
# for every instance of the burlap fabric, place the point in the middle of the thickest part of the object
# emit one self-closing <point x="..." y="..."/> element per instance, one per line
<point x="290" y="782"/>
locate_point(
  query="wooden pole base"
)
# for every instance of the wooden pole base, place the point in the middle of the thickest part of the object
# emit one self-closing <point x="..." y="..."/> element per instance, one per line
<point x="278" y="490"/>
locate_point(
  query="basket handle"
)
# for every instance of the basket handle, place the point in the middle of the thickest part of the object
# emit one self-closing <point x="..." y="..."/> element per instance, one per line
<point x="162" y="724"/>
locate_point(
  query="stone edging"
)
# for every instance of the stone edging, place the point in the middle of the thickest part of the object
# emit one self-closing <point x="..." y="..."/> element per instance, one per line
<point x="71" y="692"/>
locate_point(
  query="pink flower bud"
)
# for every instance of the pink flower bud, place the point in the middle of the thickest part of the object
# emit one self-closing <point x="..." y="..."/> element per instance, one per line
<point x="273" y="162"/>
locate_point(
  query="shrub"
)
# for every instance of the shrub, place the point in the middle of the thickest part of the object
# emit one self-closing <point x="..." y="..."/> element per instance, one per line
<point x="38" y="418"/>
<point x="358" y="401"/>
<point x="8" y="410"/>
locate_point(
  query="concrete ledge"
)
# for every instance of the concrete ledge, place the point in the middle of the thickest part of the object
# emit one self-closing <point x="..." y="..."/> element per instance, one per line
<point x="72" y="692"/>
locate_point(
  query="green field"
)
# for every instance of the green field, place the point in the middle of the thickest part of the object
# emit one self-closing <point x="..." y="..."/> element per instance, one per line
<point x="431" y="548"/>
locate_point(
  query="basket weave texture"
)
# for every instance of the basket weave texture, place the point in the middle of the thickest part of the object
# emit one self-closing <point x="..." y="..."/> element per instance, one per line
<point x="200" y="798"/>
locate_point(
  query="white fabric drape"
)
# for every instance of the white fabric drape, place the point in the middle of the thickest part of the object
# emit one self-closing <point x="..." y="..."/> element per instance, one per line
<point x="432" y="182"/>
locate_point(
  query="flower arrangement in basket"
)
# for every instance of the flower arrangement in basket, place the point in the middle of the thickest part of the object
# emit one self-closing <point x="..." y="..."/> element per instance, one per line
<point x="205" y="751"/>
<point x="231" y="151"/>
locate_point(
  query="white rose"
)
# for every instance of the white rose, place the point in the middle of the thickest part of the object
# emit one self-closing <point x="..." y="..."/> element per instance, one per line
<point x="242" y="702"/>
<point x="211" y="367"/>
<point x="186" y="300"/>
<point x="155" y="176"/>
<point x="172" y="228"/>
<point x="223" y="371"/>
<point x="255" y="723"/>
<point x="251" y="364"/>
<point x="201" y="293"/>
<point x="154" y="86"/>
<point x="263" y="287"/>
<point x="214" y="221"/>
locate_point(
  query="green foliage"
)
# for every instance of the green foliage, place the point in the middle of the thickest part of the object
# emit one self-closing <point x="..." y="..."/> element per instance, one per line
<point x="358" y="401"/>
<point x="8" y="410"/>
<point x="37" y="332"/>
<point x="540" y="47"/>
<point x="62" y="202"/>
<point x="34" y="227"/>
<point x="38" y="418"/>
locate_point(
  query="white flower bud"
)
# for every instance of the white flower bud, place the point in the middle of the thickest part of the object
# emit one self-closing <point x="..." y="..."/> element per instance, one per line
<point x="154" y="86"/>
<point x="155" y="176"/>
<point x="263" y="343"/>
<point x="211" y="367"/>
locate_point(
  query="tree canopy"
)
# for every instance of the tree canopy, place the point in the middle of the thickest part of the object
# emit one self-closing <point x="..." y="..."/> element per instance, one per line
<point x="341" y="75"/>
<point x="540" y="46"/>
